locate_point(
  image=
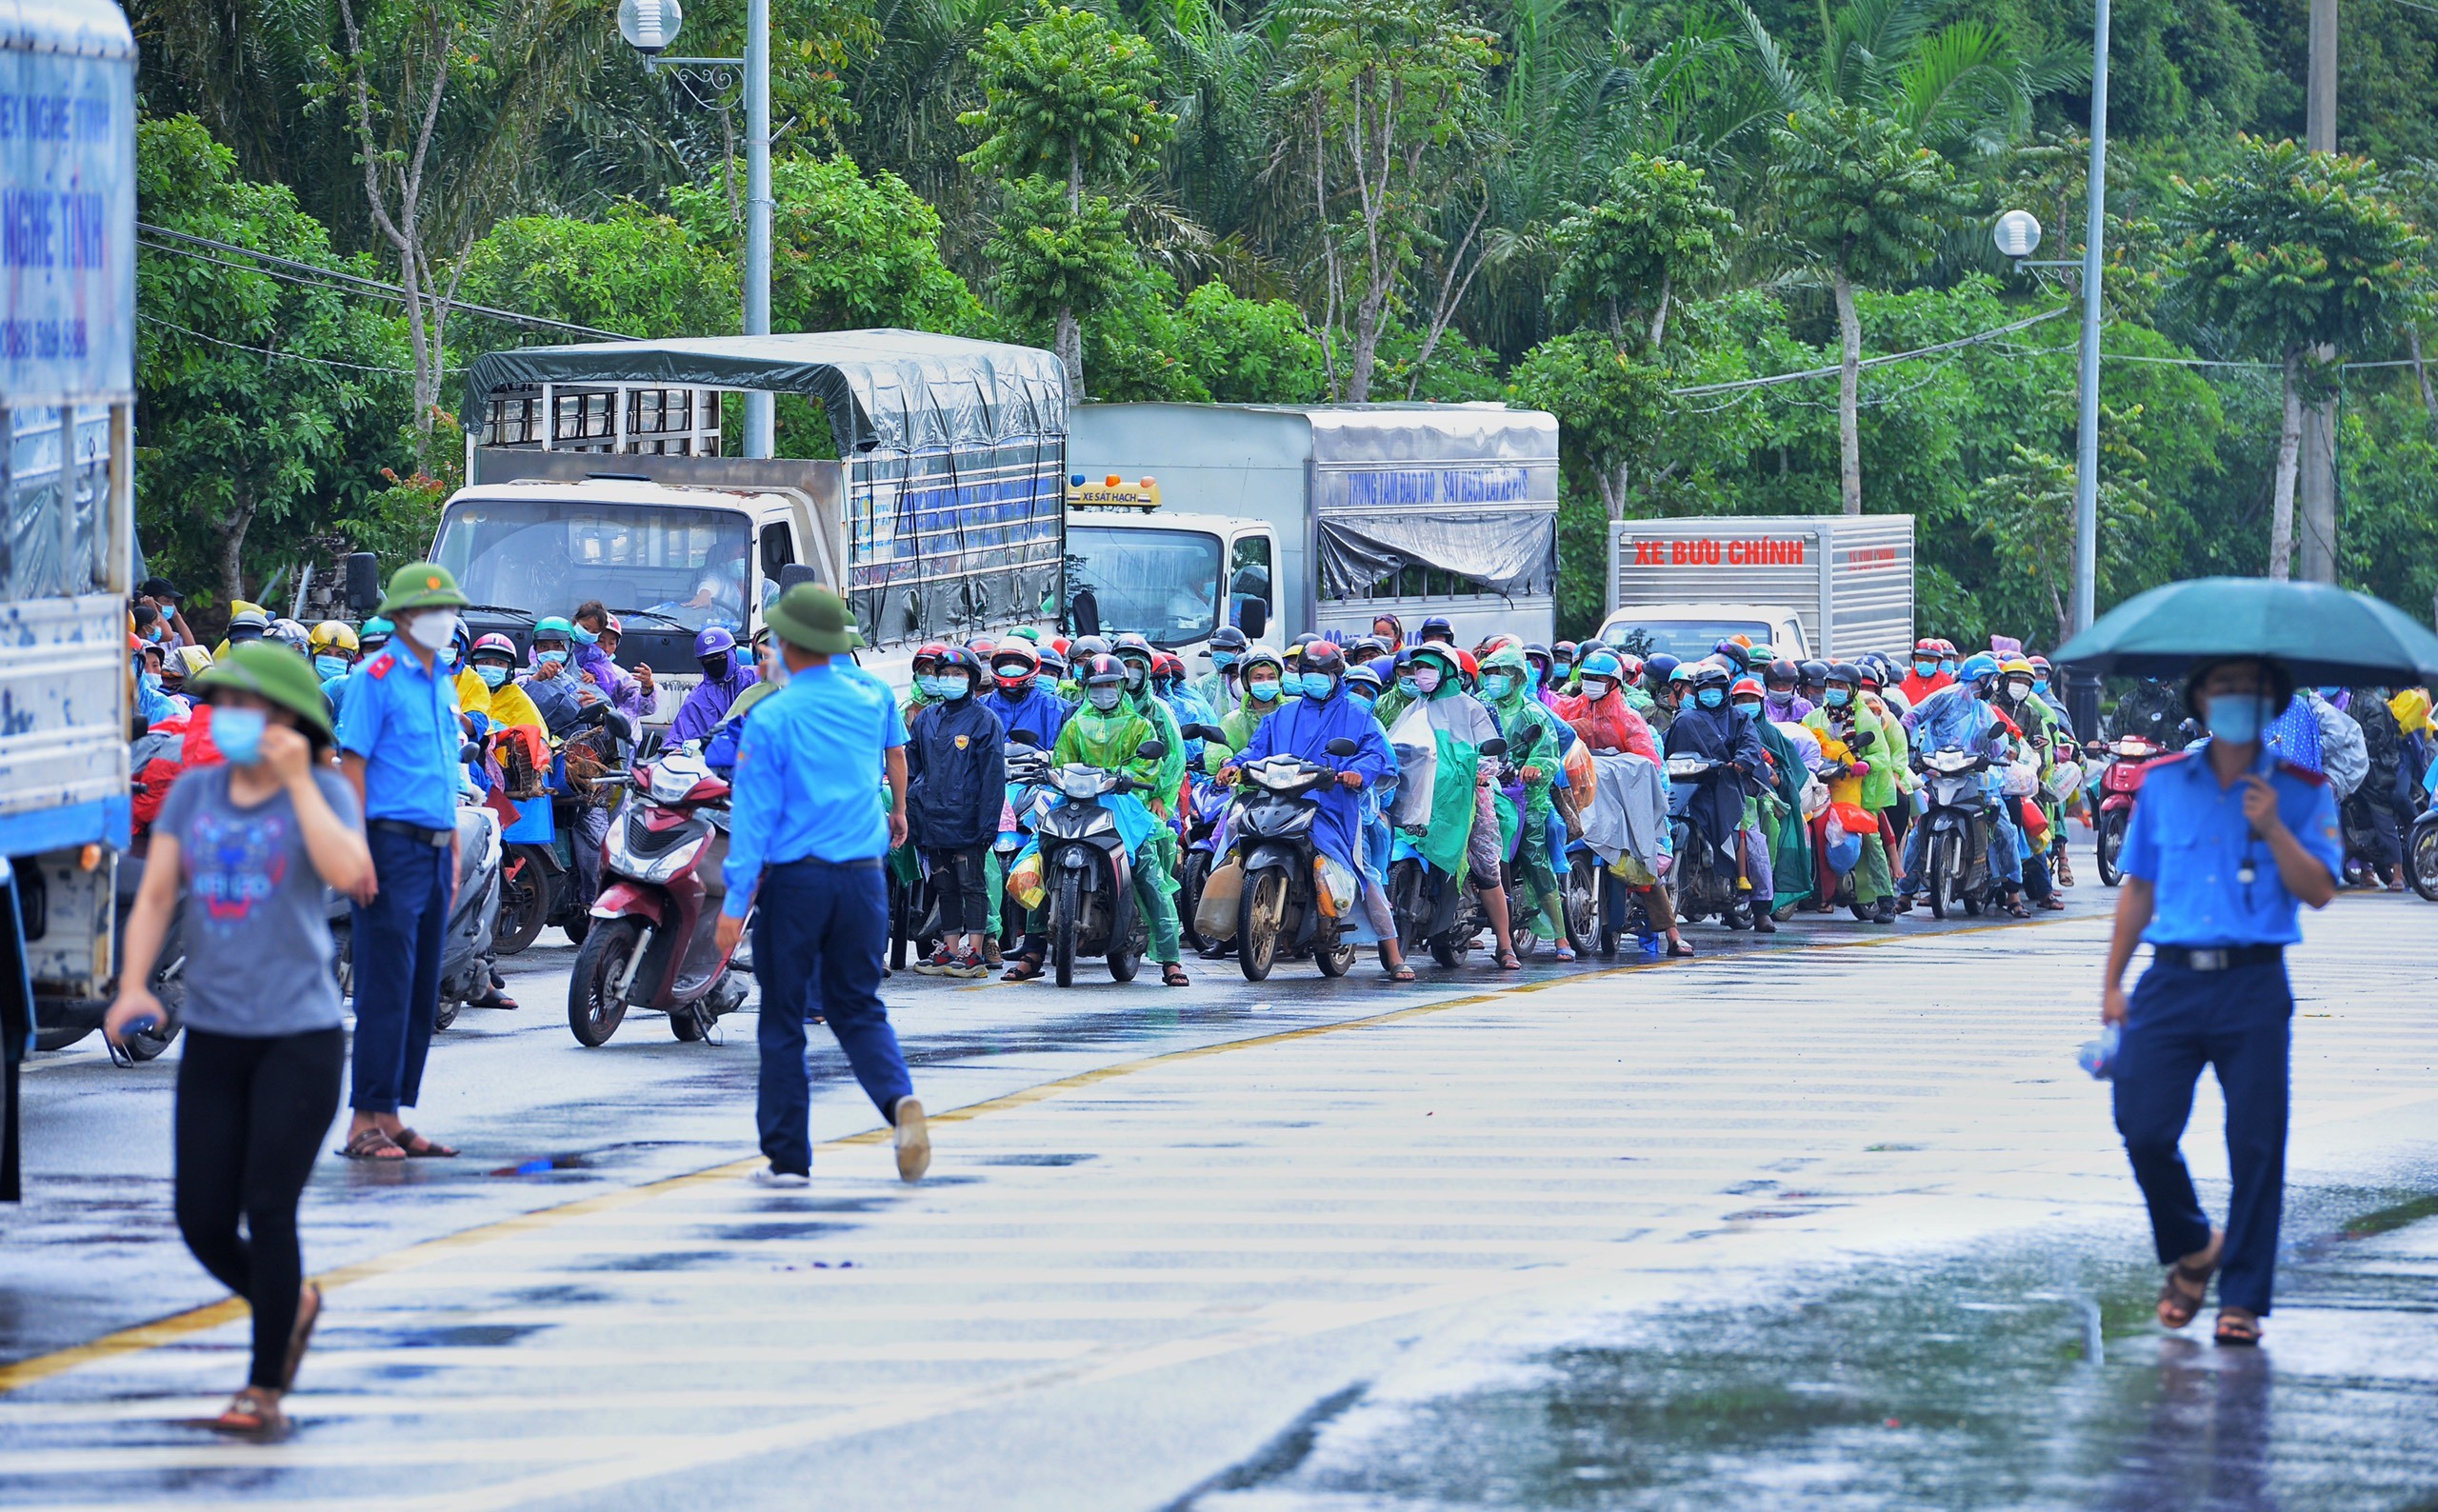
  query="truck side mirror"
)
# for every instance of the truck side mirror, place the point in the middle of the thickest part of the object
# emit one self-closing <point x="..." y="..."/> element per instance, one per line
<point x="1085" y="609"/>
<point x="363" y="583"/>
<point x="795" y="572"/>
<point x="1341" y="748"/>
<point x="1252" y="617"/>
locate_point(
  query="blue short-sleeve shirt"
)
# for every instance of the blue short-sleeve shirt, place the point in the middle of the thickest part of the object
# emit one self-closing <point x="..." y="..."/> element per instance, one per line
<point x="808" y="779"/>
<point x="403" y="720"/>
<point x="2189" y="839"/>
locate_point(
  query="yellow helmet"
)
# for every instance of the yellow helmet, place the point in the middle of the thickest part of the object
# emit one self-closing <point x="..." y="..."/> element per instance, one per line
<point x="190" y="660"/>
<point x="331" y="633"/>
<point x="2017" y="664"/>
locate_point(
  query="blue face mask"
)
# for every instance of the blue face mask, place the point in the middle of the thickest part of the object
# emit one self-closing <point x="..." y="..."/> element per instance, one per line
<point x="1262" y="692"/>
<point x="2040" y="685"/>
<point x="492" y="674"/>
<point x="331" y="667"/>
<point x="1408" y="687"/>
<point x="1710" y="697"/>
<point x="1318" y="685"/>
<point x="238" y="732"/>
<point x="1838" y="697"/>
<point x="2236" y="717"/>
<point x="1949" y="668"/>
<point x="1565" y="670"/>
<point x="1046" y="681"/>
<point x="1494" y="684"/>
<point x="550" y="663"/>
<point x="1361" y="695"/>
<point x="1533" y="674"/>
<point x="582" y="636"/>
<point x="1927" y="668"/>
<point x="944" y="686"/>
<point x="1224" y="660"/>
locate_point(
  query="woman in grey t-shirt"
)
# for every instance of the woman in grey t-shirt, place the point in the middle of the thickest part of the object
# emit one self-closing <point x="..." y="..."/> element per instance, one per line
<point x="246" y="850"/>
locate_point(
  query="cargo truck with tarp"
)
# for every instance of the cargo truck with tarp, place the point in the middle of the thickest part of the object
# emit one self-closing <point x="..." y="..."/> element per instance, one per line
<point x="1369" y="510"/>
<point x="598" y="472"/>
<point x="67" y="469"/>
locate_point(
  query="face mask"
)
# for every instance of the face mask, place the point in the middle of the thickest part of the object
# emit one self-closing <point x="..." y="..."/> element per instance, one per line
<point x="549" y="663"/>
<point x="582" y="636"/>
<point x="330" y="667"/>
<point x="715" y="668"/>
<point x="1748" y="710"/>
<point x="1409" y="687"/>
<point x="1426" y="680"/>
<point x="1838" y="697"/>
<point x="1361" y="695"/>
<point x="148" y="680"/>
<point x="1224" y="660"/>
<point x="1262" y="692"/>
<point x="238" y="732"/>
<point x="432" y="630"/>
<point x="1105" y="696"/>
<point x="1046" y="681"/>
<point x="1598" y="690"/>
<point x="1495" y="684"/>
<point x="2018" y="689"/>
<point x="1319" y="685"/>
<point x="1927" y="668"/>
<point x="493" y="675"/>
<point x="1984" y="689"/>
<point x="1533" y="674"/>
<point x="1565" y="670"/>
<point x="2040" y="686"/>
<point x="2235" y="718"/>
<point x="1710" y="697"/>
<point x="1949" y="668"/>
<point x="1134" y="675"/>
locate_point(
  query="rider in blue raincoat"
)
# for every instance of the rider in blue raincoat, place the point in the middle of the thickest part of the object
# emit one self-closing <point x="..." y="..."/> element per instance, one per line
<point x="1303" y="727"/>
<point x="1959" y="718"/>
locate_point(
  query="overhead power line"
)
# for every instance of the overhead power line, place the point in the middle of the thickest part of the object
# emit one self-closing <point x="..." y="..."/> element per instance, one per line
<point x="328" y="277"/>
<point x="1974" y="340"/>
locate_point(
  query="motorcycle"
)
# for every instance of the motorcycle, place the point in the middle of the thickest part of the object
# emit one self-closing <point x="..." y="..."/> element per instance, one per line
<point x="538" y="879"/>
<point x="1282" y="910"/>
<point x="2129" y="761"/>
<point x="1199" y="856"/>
<point x="1955" y="845"/>
<point x="1027" y="785"/>
<point x="1089" y="870"/>
<point x="2420" y="854"/>
<point x="1705" y="874"/>
<point x="653" y="943"/>
<point x="1435" y="909"/>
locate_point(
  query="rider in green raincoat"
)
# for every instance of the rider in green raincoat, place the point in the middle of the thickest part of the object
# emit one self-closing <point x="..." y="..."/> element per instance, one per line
<point x="1106" y="731"/>
<point x="1506" y="689"/>
<point x="1261" y="671"/>
<point x="1462" y="838"/>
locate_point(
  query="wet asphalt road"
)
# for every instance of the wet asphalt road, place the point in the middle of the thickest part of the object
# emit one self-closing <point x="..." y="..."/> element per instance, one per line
<point x="1820" y="1226"/>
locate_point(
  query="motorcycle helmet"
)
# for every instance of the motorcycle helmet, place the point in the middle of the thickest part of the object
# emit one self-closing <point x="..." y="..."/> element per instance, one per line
<point x="1600" y="662"/>
<point x="1441" y="660"/>
<point x="1085" y="648"/>
<point x="1566" y="653"/>
<point x="1688" y="672"/>
<point x="1261" y="658"/>
<point x="1436" y="627"/>
<point x="1323" y="670"/>
<point x="926" y="656"/>
<point x="1660" y="669"/>
<point x="1782" y="675"/>
<point x="493" y="645"/>
<point x="1104" y="679"/>
<point x="289" y="634"/>
<point x="1167" y="669"/>
<point x="982" y="646"/>
<point x="1053" y="661"/>
<point x="1504" y="671"/>
<point x="1872" y="670"/>
<point x="713" y="641"/>
<point x="1746" y="686"/>
<point x="333" y="635"/>
<point x="1813" y="672"/>
<point x="1364" y="683"/>
<point x="1226" y="647"/>
<point x="185" y="661"/>
<point x="1979" y="671"/>
<point x="1014" y="666"/>
<point x="1709" y="682"/>
<point x="955" y="660"/>
<point x="1470" y="669"/>
<point x="1366" y="648"/>
<point x="1631" y="662"/>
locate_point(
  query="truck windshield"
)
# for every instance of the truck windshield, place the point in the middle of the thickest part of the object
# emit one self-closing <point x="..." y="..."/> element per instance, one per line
<point x="546" y="556"/>
<point x="1686" y="639"/>
<point x="1162" y="585"/>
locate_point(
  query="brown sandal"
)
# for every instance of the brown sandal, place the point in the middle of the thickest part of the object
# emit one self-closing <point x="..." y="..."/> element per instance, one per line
<point x="1509" y="961"/>
<point x="308" y="1312"/>
<point x="2236" y="1326"/>
<point x="2177" y="1307"/>
<point x="253" y="1414"/>
<point x="421" y="1148"/>
<point x="373" y="1145"/>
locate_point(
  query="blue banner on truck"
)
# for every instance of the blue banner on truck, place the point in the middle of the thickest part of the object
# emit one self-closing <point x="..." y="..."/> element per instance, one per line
<point x="66" y="223"/>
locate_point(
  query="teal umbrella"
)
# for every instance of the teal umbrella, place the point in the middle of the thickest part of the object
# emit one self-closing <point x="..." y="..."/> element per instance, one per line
<point x="2323" y="634"/>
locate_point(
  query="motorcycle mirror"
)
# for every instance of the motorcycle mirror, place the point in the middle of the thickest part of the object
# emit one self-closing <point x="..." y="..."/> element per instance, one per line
<point x="1252" y="617"/>
<point x="1204" y="732"/>
<point x="1494" y="746"/>
<point x="470" y="753"/>
<point x="1341" y="748"/>
<point x="1023" y="737"/>
<point x="648" y="746"/>
<point x="363" y="583"/>
<point x="1152" y="750"/>
<point x="620" y="724"/>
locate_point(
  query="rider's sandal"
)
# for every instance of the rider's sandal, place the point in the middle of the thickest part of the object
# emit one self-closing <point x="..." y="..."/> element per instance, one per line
<point x="2015" y="908"/>
<point x="308" y="1312"/>
<point x="1680" y="949"/>
<point x="2179" y="1306"/>
<point x="1509" y="961"/>
<point x="2236" y="1326"/>
<point x="2052" y="904"/>
<point x="371" y="1144"/>
<point x="1401" y="972"/>
<point x="251" y="1414"/>
<point x="1023" y="969"/>
<point x="418" y="1147"/>
<point x="1174" y="975"/>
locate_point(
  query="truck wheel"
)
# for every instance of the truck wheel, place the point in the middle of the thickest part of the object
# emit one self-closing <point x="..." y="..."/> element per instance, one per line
<point x="2111" y="845"/>
<point x="1258" y="912"/>
<point x="1065" y="919"/>
<point x="591" y="1013"/>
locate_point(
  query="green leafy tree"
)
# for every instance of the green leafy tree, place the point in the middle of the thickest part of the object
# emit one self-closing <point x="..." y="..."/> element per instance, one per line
<point x="1383" y="105"/>
<point x="1069" y="103"/>
<point x="2027" y="513"/>
<point x="1866" y="202"/>
<point x="2294" y="251"/>
<point x="1610" y="408"/>
<point x="266" y="407"/>
<point x="1249" y="352"/>
<point x="633" y="272"/>
<point x="1657" y="228"/>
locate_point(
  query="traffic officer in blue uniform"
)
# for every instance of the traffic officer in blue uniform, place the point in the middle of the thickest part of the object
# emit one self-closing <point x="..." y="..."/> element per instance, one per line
<point x="2223" y="844"/>
<point x="807" y="831"/>
<point x="398" y="739"/>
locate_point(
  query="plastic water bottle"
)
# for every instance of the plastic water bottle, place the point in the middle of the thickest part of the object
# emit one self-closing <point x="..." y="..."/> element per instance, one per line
<point x="2098" y="1055"/>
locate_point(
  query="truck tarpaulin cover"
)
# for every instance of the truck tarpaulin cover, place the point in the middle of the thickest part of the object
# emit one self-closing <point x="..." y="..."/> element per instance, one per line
<point x="885" y="389"/>
<point x="1505" y="552"/>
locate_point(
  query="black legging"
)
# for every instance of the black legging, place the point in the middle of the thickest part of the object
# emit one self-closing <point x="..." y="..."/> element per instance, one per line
<point x="957" y="881"/>
<point x="252" y="1117"/>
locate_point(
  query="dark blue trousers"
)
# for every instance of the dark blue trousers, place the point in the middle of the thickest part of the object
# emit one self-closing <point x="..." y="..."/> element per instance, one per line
<point x="397" y="970"/>
<point x="2237" y="1021"/>
<point x="818" y="932"/>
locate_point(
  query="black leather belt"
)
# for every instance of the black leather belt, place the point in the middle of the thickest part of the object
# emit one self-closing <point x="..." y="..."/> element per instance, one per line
<point x="863" y="864"/>
<point x="438" y="839"/>
<point x="2220" y="958"/>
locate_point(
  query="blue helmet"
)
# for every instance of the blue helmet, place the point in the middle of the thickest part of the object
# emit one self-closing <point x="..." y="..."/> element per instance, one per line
<point x="712" y="641"/>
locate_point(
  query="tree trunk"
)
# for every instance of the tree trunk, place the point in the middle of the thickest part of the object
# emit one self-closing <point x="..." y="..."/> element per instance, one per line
<point x="1069" y="342"/>
<point x="233" y="552"/>
<point x="1849" y="384"/>
<point x="2421" y="371"/>
<point x="1611" y="481"/>
<point x="2289" y="447"/>
<point x="1659" y="321"/>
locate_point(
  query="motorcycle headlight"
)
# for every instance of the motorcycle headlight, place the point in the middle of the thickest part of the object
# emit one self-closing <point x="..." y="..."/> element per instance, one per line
<point x="669" y="862"/>
<point x="1076" y="783"/>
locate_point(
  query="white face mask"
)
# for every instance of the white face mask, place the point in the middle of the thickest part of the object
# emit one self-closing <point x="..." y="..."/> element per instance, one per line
<point x="432" y="629"/>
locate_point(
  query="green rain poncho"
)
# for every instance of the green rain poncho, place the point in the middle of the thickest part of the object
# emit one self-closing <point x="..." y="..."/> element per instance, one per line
<point x="1458" y="726"/>
<point x="1110" y="742"/>
<point x="1239" y="722"/>
<point x="1519" y="713"/>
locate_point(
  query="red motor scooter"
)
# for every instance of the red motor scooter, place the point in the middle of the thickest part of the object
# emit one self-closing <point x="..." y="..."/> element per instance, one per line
<point x="2128" y="759"/>
<point x="654" y="938"/>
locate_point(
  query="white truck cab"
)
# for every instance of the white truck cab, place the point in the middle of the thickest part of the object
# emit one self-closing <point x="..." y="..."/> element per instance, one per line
<point x="1690" y="631"/>
<point x="1170" y="578"/>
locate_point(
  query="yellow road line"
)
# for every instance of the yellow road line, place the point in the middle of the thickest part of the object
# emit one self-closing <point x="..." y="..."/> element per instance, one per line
<point x="200" y="1320"/>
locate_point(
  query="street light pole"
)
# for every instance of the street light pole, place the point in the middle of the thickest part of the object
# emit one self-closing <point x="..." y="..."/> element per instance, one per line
<point x="2083" y="691"/>
<point x="760" y="437"/>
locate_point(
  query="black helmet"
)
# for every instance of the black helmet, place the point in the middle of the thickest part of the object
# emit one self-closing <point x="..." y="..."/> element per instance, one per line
<point x="1366" y="648"/>
<point x="1782" y="672"/>
<point x="1084" y="647"/>
<point x="1324" y="657"/>
<point x="961" y="659"/>
<point x="1845" y="672"/>
<point x="1659" y="668"/>
<point x="1437" y="625"/>
<point x="1133" y="644"/>
<point x="1225" y="638"/>
<point x="1814" y="672"/>
<point x="1102" y="670"/>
